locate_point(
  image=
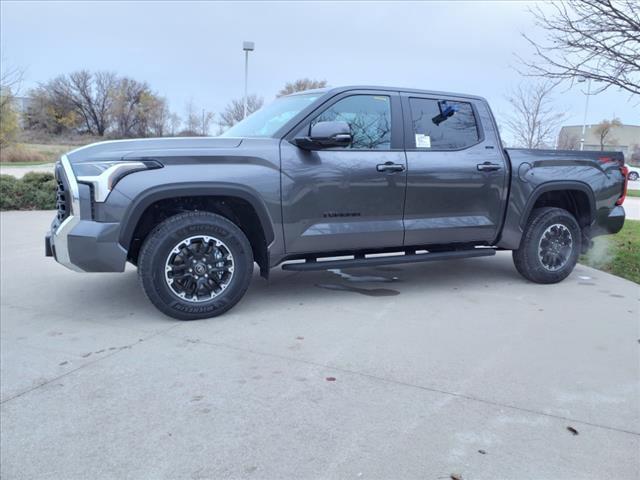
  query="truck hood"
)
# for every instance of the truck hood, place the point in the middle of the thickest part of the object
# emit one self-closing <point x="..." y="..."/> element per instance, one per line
<point x="119" y="149"/>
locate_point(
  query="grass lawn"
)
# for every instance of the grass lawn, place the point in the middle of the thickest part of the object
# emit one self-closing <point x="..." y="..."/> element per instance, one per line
<point x="48" y="150"/>
<point x="28" y="154"/>
<point x="633" y="193"/>
<point x="25" y="164"/>
<point x="618" y="254"/>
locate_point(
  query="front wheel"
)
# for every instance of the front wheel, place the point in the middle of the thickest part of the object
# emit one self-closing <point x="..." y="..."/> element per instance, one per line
<point x="550" y="246"/>
<point x="633" y="176"/>
<point x="195" y="265"/>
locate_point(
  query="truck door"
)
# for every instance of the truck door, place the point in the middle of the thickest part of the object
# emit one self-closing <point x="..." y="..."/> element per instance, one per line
<point x="347" y="198"/>
<point x="456" y="188"/>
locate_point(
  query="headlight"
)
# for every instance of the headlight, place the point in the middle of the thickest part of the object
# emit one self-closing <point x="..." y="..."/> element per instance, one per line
<point x="104" y="175"/>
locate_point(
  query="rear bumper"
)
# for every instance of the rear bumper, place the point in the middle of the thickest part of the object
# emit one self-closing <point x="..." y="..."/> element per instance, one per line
<point x="81" y="244"/>
<point x="610" y="224"/>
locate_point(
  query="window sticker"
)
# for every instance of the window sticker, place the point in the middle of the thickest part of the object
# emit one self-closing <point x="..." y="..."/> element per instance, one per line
<point x="423" y="141"/>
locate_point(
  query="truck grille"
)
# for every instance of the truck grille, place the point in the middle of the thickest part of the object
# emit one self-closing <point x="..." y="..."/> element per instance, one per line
<point x="61" y="202"/>
<point x="63" y="205"/>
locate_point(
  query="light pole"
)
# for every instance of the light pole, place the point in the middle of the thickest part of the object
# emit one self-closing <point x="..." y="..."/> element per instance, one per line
<point x="247" y="47"/>
<point x="586" y="109"/>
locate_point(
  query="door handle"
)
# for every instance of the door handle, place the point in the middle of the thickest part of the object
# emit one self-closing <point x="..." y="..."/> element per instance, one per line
<point x="390" y="167"/>
<point x="488" y="167"/>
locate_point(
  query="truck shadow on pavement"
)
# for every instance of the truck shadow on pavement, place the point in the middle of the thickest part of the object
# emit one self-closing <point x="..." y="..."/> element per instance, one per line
<point x="122" y="294"/>
<point x="389" y="280"/>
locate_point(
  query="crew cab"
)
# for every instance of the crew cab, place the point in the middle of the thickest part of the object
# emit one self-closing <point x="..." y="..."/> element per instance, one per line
<point x="330" y="178"/>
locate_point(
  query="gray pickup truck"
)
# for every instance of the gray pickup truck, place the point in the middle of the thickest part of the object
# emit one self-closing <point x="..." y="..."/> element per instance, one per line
<point x="332" y="178"/>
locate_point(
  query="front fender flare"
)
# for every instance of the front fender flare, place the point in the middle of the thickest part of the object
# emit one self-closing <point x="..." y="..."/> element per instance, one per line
<point x="190" y="189"/>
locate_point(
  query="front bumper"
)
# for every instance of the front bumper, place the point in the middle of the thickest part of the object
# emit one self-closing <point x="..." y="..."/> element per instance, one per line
<point x="76" y="241"/>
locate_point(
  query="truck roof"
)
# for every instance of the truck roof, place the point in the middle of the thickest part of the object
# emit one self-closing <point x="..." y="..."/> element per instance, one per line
<point x="390" y="89"/>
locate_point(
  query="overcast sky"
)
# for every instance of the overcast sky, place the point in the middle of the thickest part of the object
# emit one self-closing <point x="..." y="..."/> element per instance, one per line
<point x="193" y="50"/>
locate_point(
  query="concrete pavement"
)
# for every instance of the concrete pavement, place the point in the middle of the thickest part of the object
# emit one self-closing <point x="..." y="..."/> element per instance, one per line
<point x="452" y="367"/>
<point x="632" y="208"/>
<point x="19" y="171"/>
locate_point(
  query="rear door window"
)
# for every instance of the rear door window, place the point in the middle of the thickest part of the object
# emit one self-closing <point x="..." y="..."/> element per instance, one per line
<point x="442" y="124"/>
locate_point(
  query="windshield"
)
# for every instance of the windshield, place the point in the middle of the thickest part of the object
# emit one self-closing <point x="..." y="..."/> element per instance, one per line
<point x="266" y="121"/>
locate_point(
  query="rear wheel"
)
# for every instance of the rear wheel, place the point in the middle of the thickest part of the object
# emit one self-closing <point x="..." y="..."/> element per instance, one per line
<point x="550" y="246"/>
<point x="633" y="176"/>
<point x="195" y="265"/>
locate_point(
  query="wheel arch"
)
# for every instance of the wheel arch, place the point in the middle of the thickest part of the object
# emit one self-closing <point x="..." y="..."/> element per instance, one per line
<point x="223" y="199"/>
<point x="576" y="197"/>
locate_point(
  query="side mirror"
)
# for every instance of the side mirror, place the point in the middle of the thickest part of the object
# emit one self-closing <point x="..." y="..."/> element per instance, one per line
<point x="326" y="135"/>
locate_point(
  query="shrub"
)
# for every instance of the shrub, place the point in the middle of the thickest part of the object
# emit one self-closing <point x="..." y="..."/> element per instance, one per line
<point x="34" y="191"/>
<point x="40" y="179"/>
<point x="9" y="193"/>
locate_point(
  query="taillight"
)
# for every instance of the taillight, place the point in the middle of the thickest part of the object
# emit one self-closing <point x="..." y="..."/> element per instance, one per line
<point x="625" y="172"/>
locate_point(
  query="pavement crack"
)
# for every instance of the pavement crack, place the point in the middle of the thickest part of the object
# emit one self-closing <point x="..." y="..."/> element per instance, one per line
<point x="85" y="365"/>
<point x="462" y="396"/>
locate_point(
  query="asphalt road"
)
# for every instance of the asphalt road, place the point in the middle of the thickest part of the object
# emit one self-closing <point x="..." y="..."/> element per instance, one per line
<point x="428" y="370"/>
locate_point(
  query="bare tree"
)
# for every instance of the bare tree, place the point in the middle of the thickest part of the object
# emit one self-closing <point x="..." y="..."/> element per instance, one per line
<point x="596" y="39"/>
<point x="207" y="120"/>
<point x="127" y="105"/>
<point x="191" y="121"/>
<point x="603" y="130"/>
<point x="159" y="116"/>
<point x="197" y="121"/>
<point x="534" y="121"/>
<point x="152" y="114"/>
<point x="301" y="85"/>
<point x="91" y="94"/>
<point x="99" y="103"/>
<point x="174" y="123"/>
<point x="234" y="111"/>
<point x="10" y="80"/>
<point x="568" y="141"/>
<point x="51" y="113"/>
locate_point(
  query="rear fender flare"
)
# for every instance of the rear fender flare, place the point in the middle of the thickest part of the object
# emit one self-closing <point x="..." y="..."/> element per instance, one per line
<point x="558" y="186"/>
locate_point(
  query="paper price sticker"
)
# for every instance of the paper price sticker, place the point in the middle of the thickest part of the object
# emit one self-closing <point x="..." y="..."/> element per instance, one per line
<point x="423" y="141"/>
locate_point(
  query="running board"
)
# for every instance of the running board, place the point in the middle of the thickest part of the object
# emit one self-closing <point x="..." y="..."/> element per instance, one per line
<point x="312" y="264"/>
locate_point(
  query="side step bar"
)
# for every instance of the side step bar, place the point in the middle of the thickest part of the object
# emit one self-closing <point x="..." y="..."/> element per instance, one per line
<point x="388" y="260"/>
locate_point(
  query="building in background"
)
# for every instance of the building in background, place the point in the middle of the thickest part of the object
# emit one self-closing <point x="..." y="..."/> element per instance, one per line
<point x="21" y="105"/>
<point x="622" y="138"/>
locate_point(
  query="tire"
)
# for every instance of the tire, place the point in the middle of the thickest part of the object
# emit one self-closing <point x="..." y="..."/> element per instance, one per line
<point x="552" y="258"/>
<point x="214" y="245"/>
<point x="633" y="176"/>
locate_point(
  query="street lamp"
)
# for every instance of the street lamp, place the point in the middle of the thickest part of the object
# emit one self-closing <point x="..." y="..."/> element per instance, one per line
<point x="586" y="108"/>
<point x="247" y="47"/>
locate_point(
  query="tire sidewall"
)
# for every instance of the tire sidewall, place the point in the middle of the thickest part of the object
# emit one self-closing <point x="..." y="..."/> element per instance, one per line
<point x="537" y="270"/>
<point x="163" y="240"/>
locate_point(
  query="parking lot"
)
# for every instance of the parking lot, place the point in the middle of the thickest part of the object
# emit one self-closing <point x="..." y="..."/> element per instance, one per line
<point x="417" y="371"/>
